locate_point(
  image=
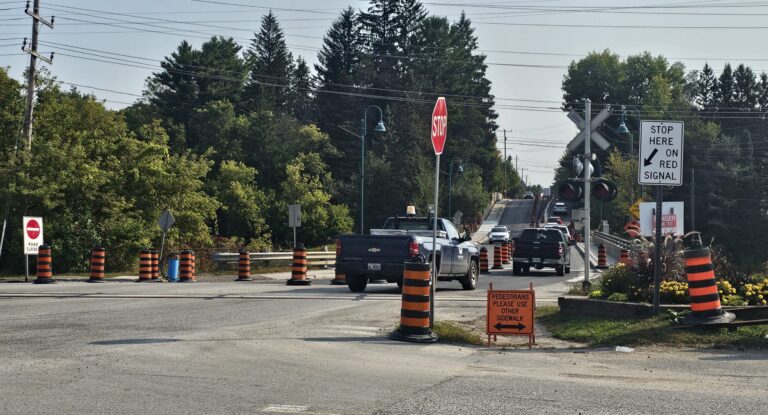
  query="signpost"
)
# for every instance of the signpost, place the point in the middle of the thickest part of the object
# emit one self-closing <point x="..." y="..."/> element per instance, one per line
<point x="165" y="221"/>
<point x="33" y="238"/>
<point x="294" y="219"/>
<point x="439" y="132"/>
<point x="660" y="164"/>
<point x="511" y="313"/>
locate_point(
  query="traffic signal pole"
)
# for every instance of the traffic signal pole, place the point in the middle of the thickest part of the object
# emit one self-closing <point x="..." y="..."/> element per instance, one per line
<point x="587" y="187"/>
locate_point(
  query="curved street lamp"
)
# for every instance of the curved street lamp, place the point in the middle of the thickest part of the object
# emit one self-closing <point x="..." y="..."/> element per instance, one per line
<point x="379" y="128"/>
<point x="450" y="184"/>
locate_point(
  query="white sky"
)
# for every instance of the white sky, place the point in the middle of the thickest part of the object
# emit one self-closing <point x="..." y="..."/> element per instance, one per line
<point x="734" y="33"/>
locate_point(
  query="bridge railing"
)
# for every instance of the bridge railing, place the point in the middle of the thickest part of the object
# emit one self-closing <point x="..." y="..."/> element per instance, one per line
<point x="314" y="257"/>
<point x="613" y="244"/>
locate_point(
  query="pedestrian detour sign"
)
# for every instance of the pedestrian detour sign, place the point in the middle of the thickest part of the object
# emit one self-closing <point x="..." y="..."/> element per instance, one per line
<point x="510" y="312"/>
<point x="661" y="153"/>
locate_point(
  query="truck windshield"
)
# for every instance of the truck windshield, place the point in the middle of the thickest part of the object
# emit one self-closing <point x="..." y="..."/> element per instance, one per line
<point x="542" y="235"/>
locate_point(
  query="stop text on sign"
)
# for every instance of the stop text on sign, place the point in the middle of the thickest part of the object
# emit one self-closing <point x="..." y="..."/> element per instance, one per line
<point x="439" y="125"/>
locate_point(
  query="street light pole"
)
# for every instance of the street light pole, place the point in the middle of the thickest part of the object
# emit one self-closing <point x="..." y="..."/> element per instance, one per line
<point x="450" y="185"/>
<point x="380" y="128"/>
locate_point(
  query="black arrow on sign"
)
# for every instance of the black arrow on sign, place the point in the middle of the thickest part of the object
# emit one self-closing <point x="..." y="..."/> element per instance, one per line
<point x="518" y="326"/>
<point x="647" y="162"/>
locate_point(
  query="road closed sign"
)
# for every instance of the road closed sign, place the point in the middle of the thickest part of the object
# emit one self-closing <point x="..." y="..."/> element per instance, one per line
<point x="33" y="234"/>
<point x="661" y="153"/>
<point x="510" y="312"/>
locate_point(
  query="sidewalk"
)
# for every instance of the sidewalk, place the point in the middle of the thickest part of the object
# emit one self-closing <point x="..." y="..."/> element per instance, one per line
<point x="491" y="221"/>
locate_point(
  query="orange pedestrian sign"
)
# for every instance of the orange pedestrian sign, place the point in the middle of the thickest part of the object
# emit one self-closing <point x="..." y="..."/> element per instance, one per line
<point x="510" y="312"/>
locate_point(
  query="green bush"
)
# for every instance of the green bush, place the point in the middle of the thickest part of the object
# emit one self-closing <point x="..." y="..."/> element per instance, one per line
<point x="617" y="279"/>
<point x="620" y="297"/>
<point x="595" y="294"/>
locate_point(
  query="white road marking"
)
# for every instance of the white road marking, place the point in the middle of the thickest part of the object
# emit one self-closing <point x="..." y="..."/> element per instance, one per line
<point x="286" y="409"/>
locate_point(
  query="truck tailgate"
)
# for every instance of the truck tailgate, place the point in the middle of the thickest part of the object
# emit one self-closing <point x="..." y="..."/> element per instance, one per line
<point x="374" y="248"/>
<point x="536" y="249"/>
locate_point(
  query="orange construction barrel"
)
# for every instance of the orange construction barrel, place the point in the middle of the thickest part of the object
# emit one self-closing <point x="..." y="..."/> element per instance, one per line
<point x="414" y="310"/>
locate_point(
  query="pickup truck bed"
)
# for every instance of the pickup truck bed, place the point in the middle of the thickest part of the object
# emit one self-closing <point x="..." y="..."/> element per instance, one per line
<point x="541" y="248"/>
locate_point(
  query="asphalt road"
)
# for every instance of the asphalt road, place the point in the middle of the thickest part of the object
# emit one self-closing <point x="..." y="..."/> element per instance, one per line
<point x="267" y="348"/>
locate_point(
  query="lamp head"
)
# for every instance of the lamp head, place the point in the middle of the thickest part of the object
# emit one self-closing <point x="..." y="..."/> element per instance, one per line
<point x="380" y="127"/>
<point x="623" y="128"/>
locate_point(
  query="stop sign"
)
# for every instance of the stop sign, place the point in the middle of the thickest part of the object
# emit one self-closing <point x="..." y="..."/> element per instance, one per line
<point x="33" y="229"/>
<point x="439" y="125"/>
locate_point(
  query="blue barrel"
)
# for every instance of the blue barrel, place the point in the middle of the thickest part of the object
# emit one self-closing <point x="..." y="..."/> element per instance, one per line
<point x="173" y="268"/>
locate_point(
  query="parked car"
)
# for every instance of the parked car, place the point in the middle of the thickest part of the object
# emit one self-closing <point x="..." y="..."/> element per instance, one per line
<point x="528" y="195"/>
<point x="382" y="254"/>
<point x="560" y="209"/>
<point x="541" y="248"/>
<point x="499" y="234"/>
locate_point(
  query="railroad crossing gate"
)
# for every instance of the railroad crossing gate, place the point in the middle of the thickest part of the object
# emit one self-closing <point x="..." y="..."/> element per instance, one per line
<point x="511" y="313"/>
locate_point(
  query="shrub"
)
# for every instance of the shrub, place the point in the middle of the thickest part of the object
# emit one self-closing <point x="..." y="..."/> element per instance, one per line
<point x="756" y="294"/>
<point x="617" y="279"/>
<point x="620" y="297"/>
<point x="674" y="292"/>
<point x="595" y="294"/>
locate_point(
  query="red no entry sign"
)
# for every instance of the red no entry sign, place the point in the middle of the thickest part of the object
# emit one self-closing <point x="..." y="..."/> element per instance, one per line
<point x="439" y="125"/>
<point x="33" y="229"/>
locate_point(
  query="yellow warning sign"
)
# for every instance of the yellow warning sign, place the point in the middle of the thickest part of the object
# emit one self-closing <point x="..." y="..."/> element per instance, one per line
<point x="510" y="312"/>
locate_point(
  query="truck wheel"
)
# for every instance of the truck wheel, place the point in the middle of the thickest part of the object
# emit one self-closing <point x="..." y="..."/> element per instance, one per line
<point x="516" y="268"/>
<point x="470" y="281"/>
<point x="358" y="283"/>
<point x="560" y="270"/>
<point x="526" y="269"/>
<point x="568" y="269"/>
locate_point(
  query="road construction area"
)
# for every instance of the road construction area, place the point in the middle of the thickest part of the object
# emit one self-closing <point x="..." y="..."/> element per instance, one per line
<point x="266" y="347"/>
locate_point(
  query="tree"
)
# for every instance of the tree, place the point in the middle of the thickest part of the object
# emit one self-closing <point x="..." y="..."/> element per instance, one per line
<point x="301" y="89"/>
<point x="598" y="76"/>
<point x="174" y="91"/>
<point x="222" y="72"/>
<point x="705" y="87"/>
<point x="271" y="65"/>
<point x="745" y="92"/>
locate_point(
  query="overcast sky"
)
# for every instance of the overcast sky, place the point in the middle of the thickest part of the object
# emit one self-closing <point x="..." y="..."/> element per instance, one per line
<point x="528" y="43"/>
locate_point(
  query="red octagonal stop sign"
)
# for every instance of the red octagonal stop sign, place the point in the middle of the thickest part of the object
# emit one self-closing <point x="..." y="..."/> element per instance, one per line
<point x="439" y="125"/>
<point x="33" y="229"/>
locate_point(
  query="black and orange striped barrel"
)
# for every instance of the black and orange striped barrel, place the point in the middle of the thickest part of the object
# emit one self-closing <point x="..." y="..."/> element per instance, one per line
<point x="504" y="253"/>
<point x="602" y="257"/>
<point x="145" y="265"/>
<point x="186" y="267"/>
<point x="509" y="252"/>
<point x="624" y="257"/>
<point x="415" y="307"/>
<point x="244" y="266"/>
<point x="702" y="287"/>
<point x="44" y="265"/>
<point x="98" y="257"/>
<point x="497" y="256"/>
<point x="155" y="256"/>
<point x="299" y="268"/>
<point x="484" y="260"/>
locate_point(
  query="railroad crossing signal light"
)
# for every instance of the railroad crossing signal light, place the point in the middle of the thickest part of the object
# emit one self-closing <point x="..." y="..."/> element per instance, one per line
<point x="570" y="190"/>
<point x="604" y="190"/>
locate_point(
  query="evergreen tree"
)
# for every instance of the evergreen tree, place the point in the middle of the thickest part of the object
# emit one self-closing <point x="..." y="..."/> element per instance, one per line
<point x="174" y="91"/>
<point x="301" y="91"/>
<point x="271" y="65"/>
<point x="705" y="87"/>
<point x="745" y="88"/>
<point x="222" y="72"/>
<point x="724" y="89"/>
<point x="762" y="94"/>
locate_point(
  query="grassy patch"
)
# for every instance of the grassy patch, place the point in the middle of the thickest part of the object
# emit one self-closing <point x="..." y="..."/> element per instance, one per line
<point x="604" y="331"/>
<point x="452" y="332"/>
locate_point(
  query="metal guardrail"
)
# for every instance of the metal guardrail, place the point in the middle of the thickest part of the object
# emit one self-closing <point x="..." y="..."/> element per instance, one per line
<point x="613" y="240"/>
<point x="314" y="257"/>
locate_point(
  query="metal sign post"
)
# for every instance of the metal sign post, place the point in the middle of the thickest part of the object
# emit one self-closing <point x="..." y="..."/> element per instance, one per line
<point x="294" y="219"/>
<point x="166" y="221"/>
<point x="438" y="135"/>
<point x="660" y="164"/>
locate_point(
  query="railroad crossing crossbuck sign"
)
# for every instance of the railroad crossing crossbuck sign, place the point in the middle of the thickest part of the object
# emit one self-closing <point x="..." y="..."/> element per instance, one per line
<point x="595" y="135"/>
<point x="661" y="153"/>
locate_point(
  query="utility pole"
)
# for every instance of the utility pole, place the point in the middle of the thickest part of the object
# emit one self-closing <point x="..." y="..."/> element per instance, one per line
<point x="506" y="169"/>
<point x="32" y="50"/>
<point x="693" y="199"/>
<point x="27" y="128"/>
<point x="587" y="188"/>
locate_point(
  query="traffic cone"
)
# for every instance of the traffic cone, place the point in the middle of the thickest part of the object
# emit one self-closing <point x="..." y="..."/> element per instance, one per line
<point x="484" y="261"/>
<point x="244" y="266"/>
<point x="44" y="266"/>
<point x="702" y="288"/>
<point x="299" y="269"/>
<point x="602" y="258"/>
<point x="145" y="266"/>
<point x="414" y="310"/>
<point x="98" y="255"/>
<point x="497" y="257"/>
<point x="186" y="266"/>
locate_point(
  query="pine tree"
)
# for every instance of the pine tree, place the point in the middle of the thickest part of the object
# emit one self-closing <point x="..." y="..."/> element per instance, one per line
<point x="724" y="89"/>
<point x="222" y="72"/>
<point x="762" y="95"/>
<point x="705" y="86"/>
<point x="745" y="88"/>
<point x="175" y="91"/>
<point x="271" y="65"/>
<point x="301" y="91"/>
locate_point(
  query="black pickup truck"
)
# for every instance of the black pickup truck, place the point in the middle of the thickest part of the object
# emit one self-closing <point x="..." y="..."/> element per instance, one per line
<point x="540" y="248"/>
<point x="381" y="255"/>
